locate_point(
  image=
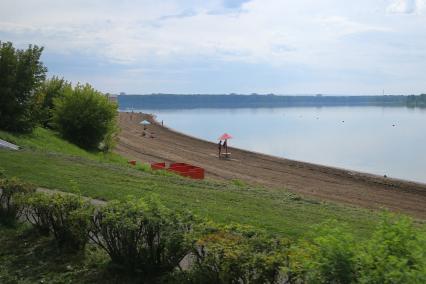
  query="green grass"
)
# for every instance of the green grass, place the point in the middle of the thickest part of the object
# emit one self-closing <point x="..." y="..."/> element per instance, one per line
<point x="47" y="141"/>
<point x="50" y="162"/>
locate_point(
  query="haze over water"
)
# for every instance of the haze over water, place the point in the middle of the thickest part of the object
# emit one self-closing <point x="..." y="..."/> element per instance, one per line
<point x="379" y="140"/>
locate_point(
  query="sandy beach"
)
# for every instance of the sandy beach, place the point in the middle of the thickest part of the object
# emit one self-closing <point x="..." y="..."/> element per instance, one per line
<point x="161" y="144"/>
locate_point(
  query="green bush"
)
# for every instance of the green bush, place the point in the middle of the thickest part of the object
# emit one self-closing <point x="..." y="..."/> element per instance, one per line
<point x="331" y="255"/>
<point x="10" y="191"/>
<point x="38" y="211"/>
<point x="2" y="173"/>
<point x="70" y="221"/>
<point x="85" y="117"/>
<point x="66" y="216"/>
<point x="238" y="255"/>
<point x="142" y="238"/>
<point x="49" y="91"/>
<point x="21" y="73"/>
<point x="395" y="254"/>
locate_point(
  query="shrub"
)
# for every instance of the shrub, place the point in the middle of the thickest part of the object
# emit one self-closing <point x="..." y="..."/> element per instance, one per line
<point x="395" y="254"/>
<point x="142" y="238"/>
<point x="21" y="72"/>
<point x="2" y="173"/>
<point x="232" y="255"/>
<point x="85" y="117"/>
<point x="66" y="216"/>
<point x="331" y="255"/>
<point x="38" y="211"/>
<point x="10" y="190"/>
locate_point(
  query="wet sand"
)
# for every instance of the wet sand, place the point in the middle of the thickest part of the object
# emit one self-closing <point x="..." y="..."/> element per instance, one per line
<point x="314" y="181"/>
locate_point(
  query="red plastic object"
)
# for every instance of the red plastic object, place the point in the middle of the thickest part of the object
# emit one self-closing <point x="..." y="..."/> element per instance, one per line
<point x="158" y="166"/>
<point x="178" y="165"/>
<point x="132" y="162"/>
<point x="182" y="169"/>
<point x="197" y="173"/>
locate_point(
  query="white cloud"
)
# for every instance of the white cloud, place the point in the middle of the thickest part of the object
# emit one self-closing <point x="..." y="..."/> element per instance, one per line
<point x="327" y="35"/>
<point x="406" y="6"/>
<point x="129" y="34"/>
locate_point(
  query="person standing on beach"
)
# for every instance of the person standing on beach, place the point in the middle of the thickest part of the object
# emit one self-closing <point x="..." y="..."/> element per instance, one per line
<point x="225" y="146"/>
<point x="219" y="146"/>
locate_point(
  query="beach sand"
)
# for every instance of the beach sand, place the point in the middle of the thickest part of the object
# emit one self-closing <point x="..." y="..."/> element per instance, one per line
<point x="310" y="180"/>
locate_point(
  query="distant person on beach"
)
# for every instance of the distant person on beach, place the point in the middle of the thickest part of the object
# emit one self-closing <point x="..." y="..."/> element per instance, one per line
<point x="219" y="146"/>
<point x="225" y="146"/>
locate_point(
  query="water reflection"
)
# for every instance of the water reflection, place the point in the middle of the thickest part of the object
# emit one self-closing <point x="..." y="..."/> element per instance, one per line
<point x="379" y="140"/>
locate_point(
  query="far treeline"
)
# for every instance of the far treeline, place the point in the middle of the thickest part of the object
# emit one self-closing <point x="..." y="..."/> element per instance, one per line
<point x="170" y="101"/>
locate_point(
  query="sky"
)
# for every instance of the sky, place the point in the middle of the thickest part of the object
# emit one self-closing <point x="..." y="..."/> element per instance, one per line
<point x="227" y="46"/>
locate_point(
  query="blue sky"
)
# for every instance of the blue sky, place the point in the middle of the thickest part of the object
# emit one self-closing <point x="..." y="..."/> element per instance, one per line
<point x="224" y="46"/>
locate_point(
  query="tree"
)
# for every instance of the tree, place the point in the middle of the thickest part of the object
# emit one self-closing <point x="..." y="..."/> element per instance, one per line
<point x="85" y="117"/>
<point x="21" y="72"/>
<point x="50" y="90"/>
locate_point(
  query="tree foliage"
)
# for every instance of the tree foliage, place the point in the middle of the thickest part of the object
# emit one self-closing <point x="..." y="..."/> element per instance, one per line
<point x="85" y="117"/>
<point x="51" y="89"/>
<point x="416" y="101"/>
<point x="21" y="73"/>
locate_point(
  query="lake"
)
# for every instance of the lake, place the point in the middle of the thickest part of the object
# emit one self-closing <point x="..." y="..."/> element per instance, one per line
<point x="380" y="140"/>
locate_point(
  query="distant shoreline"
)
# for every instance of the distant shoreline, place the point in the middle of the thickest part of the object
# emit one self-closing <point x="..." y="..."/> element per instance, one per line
<point x="171" y="101"/>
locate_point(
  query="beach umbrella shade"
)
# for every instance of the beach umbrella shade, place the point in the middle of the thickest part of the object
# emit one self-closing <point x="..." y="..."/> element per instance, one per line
<point x="145" y="122"/>
<point x="225" y="136"/>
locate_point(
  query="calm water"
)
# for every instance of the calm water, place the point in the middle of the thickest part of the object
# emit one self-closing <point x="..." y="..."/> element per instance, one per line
<point x="379" y="140"/>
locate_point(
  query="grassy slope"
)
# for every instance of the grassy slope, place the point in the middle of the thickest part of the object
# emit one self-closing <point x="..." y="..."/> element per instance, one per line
<point x="50" y="162"/>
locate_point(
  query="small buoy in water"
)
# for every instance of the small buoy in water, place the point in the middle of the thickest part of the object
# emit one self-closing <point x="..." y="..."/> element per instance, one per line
<point x="343" y="121"/>
<point x="393" y="125"/>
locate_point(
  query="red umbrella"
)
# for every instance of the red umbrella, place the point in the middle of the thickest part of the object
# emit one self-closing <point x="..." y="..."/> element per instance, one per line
<point x="225" y="136"/>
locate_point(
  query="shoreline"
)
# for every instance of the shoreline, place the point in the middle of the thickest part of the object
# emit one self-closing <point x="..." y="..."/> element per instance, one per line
<point x="153" y="120"/>
<point x="304" y="178"/>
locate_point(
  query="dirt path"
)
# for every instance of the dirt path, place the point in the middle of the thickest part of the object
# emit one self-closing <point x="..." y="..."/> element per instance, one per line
<point x="316" y="181"/>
